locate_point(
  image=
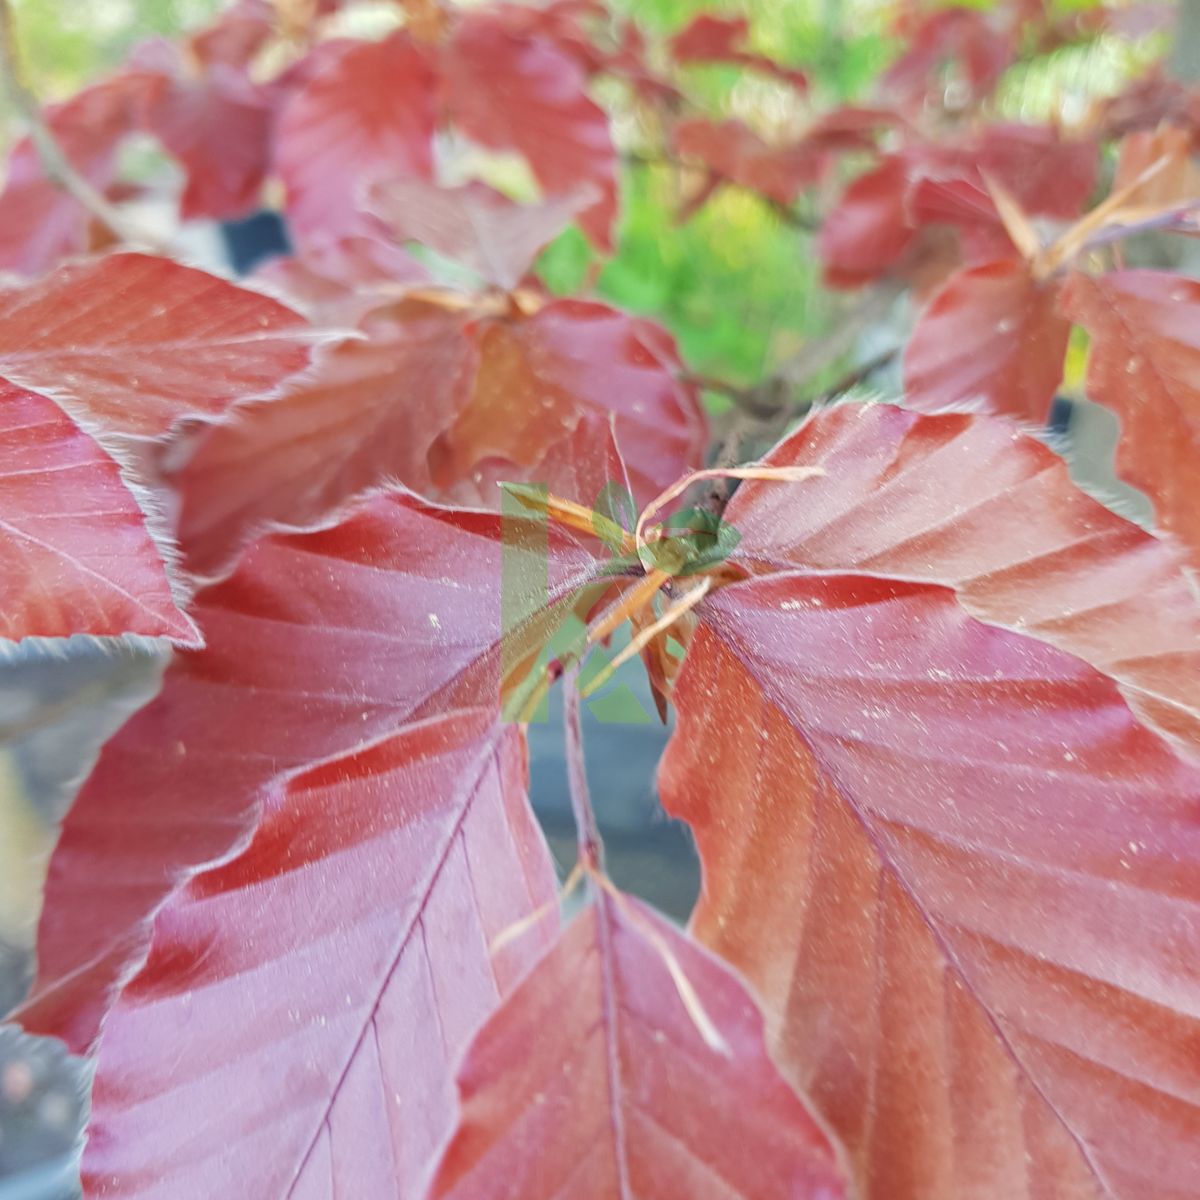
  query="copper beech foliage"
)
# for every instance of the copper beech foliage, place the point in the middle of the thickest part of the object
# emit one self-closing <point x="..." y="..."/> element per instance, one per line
<point x="937" y="709"/>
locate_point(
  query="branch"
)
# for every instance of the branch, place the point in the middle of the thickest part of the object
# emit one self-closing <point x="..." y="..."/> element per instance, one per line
<point x="58" y="168"/>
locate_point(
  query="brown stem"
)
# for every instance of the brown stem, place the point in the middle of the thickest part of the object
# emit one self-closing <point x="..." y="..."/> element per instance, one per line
<point x="58" y="168"/>
<point x="591" y="846"/>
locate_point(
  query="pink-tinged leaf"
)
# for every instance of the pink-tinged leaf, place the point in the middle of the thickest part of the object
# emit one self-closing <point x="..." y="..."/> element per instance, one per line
<point x="368" y="412"/>
<point x="351" y="936"/>
<point x="738" y="155"/>
<point x="217" y="124"/>
<point x="342" y="282"/>
<point x="473" y="225"/>
<point x="868" y="232"/>
<point x="594" y="1080"/>
<point x="369" y="110"/>
<point x="1144" y="364"/>
<point x="129" y="344"/>
<point x="537" y="377"/>
<point x="40" y="222"/>
<point x="75" y="554"/>
<point x="714" y="38"/>
<point x="514" y="92"/>
<point x="319" y="644"/>
<point x="962" y="872"/>
<point x="992" y="336"/>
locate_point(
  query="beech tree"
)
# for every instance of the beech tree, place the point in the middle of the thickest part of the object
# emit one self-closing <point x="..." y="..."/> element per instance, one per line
<point x="937" y="709"/>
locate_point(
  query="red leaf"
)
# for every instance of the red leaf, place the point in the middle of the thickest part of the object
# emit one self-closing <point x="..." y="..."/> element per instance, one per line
<point x="40" y="222"/>
<point x="1144" y="364"/>
<point x="868" y="232"/>
<point x="711" y="38"/>
<point x="992" y="336"/>
<point x="352" y="937"/>
<point x="1047" y="174"/>
<point x="369" y="412"/>
<point x="75" y="554"/>
<point x="740" y="156"/>
<point x="873" y="230"/>
<point x="125" y="345"/>
<point x="130" y="344"/>
<point x="473" y="225"/>
<point x="593" y="1080"/>
<point x="446" y="404"/>
<point x="217" y="125"/>
<point x="513" y="92"/>
<point x="538" y="376"/>
<point x="369" y="109"/>
<point x="317" y="645"/>
<point x="970" y="878"/>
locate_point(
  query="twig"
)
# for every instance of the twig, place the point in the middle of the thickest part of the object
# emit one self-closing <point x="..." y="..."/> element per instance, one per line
<point x="591" y="846"/>
<point x="58" y="168"/>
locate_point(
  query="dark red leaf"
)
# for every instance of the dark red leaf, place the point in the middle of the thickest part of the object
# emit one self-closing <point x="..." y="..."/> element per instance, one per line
<point x="594" y="1080"/>
<point x="369" y="110"/>
<point x="130" y="344"/>
<point x="1144" y="364"/>
<point x="318" y="645"/>
<point x="75" y="553"/>
<point x="992" y="336"/>
<point x="960" y="869"/>
<point x="514" y="92"/>
<point x="874" y="228"/>
<point x="351" y="936"/>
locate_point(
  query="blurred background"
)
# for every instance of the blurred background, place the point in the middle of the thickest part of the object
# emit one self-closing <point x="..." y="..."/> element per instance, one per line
<point x="737" y="286"/>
